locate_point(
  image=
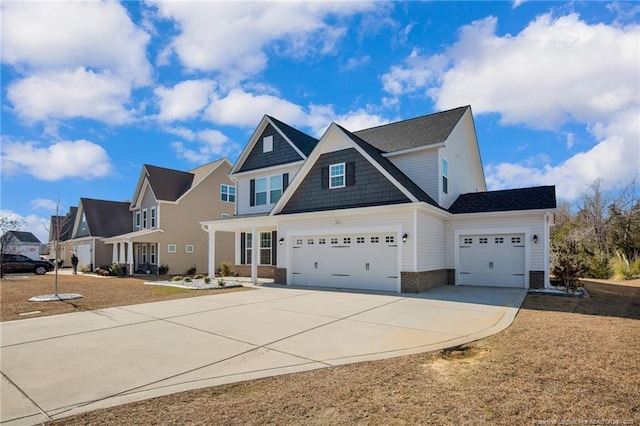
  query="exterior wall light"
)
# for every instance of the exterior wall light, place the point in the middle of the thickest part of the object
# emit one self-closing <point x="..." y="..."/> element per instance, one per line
<point x="281" y="241"/>
<point x="404" y="238"/>
<point x="535" y="239"/>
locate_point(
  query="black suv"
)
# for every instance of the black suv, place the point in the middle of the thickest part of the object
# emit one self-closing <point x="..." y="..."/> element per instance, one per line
<point x="20" y="263"/>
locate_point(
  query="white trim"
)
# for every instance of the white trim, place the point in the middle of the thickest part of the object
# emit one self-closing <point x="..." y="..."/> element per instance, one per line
<point x="343" y="175"/>
<point x="153" y="217"/>
<point x="262" y="170"/>
<point x="175" y="248"/>
<point x="267" y="144"/>
<point x="412" y="150"/>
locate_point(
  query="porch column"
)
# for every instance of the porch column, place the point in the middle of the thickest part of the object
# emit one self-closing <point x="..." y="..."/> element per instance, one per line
<point x="121" y="256"/>
<point x="212" y="252"/>
<point x="130" y="258"/>
<point x="114" y="253"/>
<point x="254" y="255"/>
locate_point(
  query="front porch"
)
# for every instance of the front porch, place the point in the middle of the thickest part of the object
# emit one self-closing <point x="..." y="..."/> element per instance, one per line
<point x="136" y="252"/>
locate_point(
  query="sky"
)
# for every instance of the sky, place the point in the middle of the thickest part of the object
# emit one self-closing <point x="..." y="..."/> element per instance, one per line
<point x="91" y="91"/>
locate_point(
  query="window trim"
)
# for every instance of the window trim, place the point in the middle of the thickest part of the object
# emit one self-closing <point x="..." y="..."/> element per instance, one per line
<point x="267" y="144"/>
<point x="171" y="248"/>
<point x="153" y="219"/>
<point x="342" y="175"/>
<point x="269" y="199"/>
<point x="83" y="221"/>
<point x="445" y="176"/>
<point x="227" y="191"/>
<point x="152" y="254"/>
<point x="144" y="219"/>
<point x="188" y="248"/>
<point x="265" y="248"/>
<point x="138" y="219"/>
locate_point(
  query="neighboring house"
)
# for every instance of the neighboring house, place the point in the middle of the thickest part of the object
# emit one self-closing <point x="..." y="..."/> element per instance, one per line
<point x="22" y="242"/>
<point x="398" y="207"/>
<point x="94" y="221"/>
<point x="164" y="220"/>
<point x="61" y="231"/>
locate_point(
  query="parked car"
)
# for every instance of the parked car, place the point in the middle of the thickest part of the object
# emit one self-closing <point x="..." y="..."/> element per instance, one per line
<point x="21" y="263"/>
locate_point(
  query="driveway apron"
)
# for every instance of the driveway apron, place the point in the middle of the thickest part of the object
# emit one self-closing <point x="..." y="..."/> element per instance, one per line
<point x="62" y="365"/>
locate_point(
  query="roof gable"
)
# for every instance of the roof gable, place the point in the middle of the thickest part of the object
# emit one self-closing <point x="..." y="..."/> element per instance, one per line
<point x="168" y="184"/>
<point x="289" y="145"/>
<point x="24" y="237"/>
<point x="65" y="223"/>
<point x="416" y="132"/>
<point x="104" y="218"/>
<point x="535" y="198"/>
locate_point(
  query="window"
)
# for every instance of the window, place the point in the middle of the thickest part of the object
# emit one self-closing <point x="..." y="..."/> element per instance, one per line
<point x="267" y="144"/>
<point x="310" y="241"/>
<point x="299" y="241"/>
<point x="224" y="215"/>
<point x="499" y="240"/>
<point x="334" y="241"/>
<point x="515" y="240"/>
<point x="261" y="191"/>
<point x="228" y="193"/>
<point x="171" y="248"/>
<point x="468" y="240"/>
<point x="346" y="240"/>
<point x="445" y="176"/>
<point x="483" y="240"/>
<point x="336" y="175"/>
<point x="389" y="239"/>
<point x="144" y="219"/>
<point x="375" y="240"/>
<point x="322" y="240"/>
<point x="152" y="254"/>
<point x="247" y="248"/>
<point x="144" y="253"/>
<point x="360" y="240"/>
<point x="84" y="221"/>
<point x="189" y="248"/>
<point x="275" y="188"/>
<point x="137" y="219"/>
<point x="153" y="217"/>
<point x="265" y="248"/>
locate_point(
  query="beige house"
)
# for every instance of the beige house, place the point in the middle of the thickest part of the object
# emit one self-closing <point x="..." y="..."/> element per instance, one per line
<point x="165" y="213"/>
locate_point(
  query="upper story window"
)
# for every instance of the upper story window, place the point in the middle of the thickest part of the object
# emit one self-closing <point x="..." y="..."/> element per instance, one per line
<point x="153" y="217"/>
<point x="144" y="219"/>
<point x="268" y="190"/>
<point x="228" y="193"/>
<point x="83" y="222"/>
<point x="445" y="176"/>
<point x="337" y="175"/>
<point x="267" y="144"/>
<point x="137" y="219"/>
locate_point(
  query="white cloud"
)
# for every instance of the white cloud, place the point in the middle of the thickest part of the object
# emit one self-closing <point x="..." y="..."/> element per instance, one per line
<point x="207" y="145"/>
<point x="44" y="204"/>
<point x="69" y="94"/>
<point x="74" y="59"/>
<point x="33" y="223"/>
<point x="185" y="100"/>
<point x="65" y="159"/>
<point x="355" y="63"/>
<point x="555" y="71"/>
<point x="231" y="37"/>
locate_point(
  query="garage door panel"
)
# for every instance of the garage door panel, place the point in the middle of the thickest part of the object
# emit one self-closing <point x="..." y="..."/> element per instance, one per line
<point x="496" y="260"/>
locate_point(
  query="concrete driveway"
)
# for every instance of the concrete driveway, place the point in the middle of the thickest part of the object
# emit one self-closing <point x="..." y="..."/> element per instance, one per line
<point x="57" y="366"/>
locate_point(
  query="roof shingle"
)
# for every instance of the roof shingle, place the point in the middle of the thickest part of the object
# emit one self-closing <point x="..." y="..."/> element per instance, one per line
<point x="107" y="218"/>
<point x="539" y="197"/>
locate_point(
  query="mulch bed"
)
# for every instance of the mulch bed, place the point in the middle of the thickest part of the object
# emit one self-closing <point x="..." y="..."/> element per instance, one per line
<point x="563" y="361"/>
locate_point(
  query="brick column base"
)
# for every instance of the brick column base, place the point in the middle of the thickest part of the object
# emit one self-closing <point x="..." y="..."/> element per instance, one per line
<point x="418" y="282"/>
<point x="280" y="276"/>
<point x="536" y="279"/>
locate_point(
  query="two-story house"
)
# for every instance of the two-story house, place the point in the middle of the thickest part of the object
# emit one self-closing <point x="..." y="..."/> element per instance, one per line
<point x="398" y="207"/>
<point x="60" y="234"/>
<point x="164" y="220"/>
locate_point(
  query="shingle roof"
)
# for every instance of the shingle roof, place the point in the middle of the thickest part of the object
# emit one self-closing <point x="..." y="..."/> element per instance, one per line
<point x="107" y="218"/>
<point x="416" y="132"/>
<point x="25" y="237"/>
<point x="66" y="225"/>
<point x="539" y="197"/>
<point x="304" y="142"/>
<point x="168" y="184"/>
<point x="392" y="169"/>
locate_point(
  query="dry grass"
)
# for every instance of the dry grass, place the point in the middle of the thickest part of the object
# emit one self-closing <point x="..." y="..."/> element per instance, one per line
<point x="98" y="292"/>
<point x="563" y="361"/>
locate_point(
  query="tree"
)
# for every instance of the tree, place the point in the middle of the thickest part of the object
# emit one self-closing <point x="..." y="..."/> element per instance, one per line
<point x="7" y="224"/>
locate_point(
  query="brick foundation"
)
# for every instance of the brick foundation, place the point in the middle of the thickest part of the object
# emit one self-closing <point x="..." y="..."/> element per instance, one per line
<point x="417" y="282"/>
<point x="280" y="276"/>
<point x="451" y="277"/>
<point x="263" y="271"/>
<point x="536" y="279"/>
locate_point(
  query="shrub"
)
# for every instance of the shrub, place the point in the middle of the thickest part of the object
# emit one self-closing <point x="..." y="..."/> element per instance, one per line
<point x="623" y="269"/>
<point x="221" y="282"/>
<point x="177" y="278"/>
<point x="163" y="269"/>
<point x="598" y="267"/>
<point x="191" y="270"/>
<point x="198" y="277"/>
<point x="116" y="270"/>
<point x="187" y="280"/>
<point x="567" y="265"/>
<point x="207" y="280"/>
<point x="86" y="268"/>
<point x="225" y="269"/>
<point x="101" y="272"/>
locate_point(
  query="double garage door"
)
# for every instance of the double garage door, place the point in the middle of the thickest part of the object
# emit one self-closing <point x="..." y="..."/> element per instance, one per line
<point x="496" y="260"/>
<point x="359" y="261"/>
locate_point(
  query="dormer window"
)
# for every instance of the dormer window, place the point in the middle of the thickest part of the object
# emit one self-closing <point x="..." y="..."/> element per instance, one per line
<point x="138" y="219"/>
<point x="337" y="175"/>
<point x="267" y="144"/>
<point x="445" y="176"/>
<point x="83" y="223"/>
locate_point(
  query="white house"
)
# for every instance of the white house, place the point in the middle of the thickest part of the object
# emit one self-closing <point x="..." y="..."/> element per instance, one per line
<point x="23" y="242"/>
<point x="401" y="207"/>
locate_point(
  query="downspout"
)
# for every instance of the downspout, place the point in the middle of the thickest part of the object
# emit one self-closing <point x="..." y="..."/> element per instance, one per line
<point x="547" y="278"/>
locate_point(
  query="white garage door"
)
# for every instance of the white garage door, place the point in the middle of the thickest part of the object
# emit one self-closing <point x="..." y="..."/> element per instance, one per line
<point x="496" y="260"/>
<point x="359" y="261"/>
<point x="83" y="251"/>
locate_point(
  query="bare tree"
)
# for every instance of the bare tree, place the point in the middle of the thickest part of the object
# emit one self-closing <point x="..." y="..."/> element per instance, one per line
<point x="7" y="224"/>
<point x="624" y="220"/>
<point x="591" y="217"/>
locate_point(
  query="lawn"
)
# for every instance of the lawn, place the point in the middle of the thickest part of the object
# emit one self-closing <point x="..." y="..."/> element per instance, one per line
<point x="98" y="292"/>
<point x="563" y="361"/>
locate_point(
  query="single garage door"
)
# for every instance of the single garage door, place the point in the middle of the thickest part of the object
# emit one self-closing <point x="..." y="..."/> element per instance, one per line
<point x="496" y="260"/>
<point x="359" y="261"/>
<point x="83" y="251"/>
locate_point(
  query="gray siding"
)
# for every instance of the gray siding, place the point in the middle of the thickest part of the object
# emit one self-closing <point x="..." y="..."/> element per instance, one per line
<point x="282" y="153"/>
<point x="371" y="187"/>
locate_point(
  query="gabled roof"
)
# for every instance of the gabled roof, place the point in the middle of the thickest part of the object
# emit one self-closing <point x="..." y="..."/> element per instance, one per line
<point x="66" y="225"/>
<point x="106" y="218"/>
<point x="536" y="198"/>
<point x="304" y="142"/>
<point x="391" y="168"/>
<point x="413" y="133"/>
<point x="168" y="184"/>
<point x="24" y="236"/>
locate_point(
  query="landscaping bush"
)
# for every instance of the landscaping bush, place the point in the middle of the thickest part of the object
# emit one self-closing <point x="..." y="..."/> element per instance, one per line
<point x="191" y="270"/>
<point x="598" y="267"/>
<point x="568" y="266"/>
<point x="163" y="269"/>
<point x="225" y="269"/>
<point x="207" y="280"/>
<point x="198" y="277"/>
<point x="116" y="270"/>
<point x="623" y="269"/>
<point x="187" y="280"/>
<point x="177" y="278"/>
